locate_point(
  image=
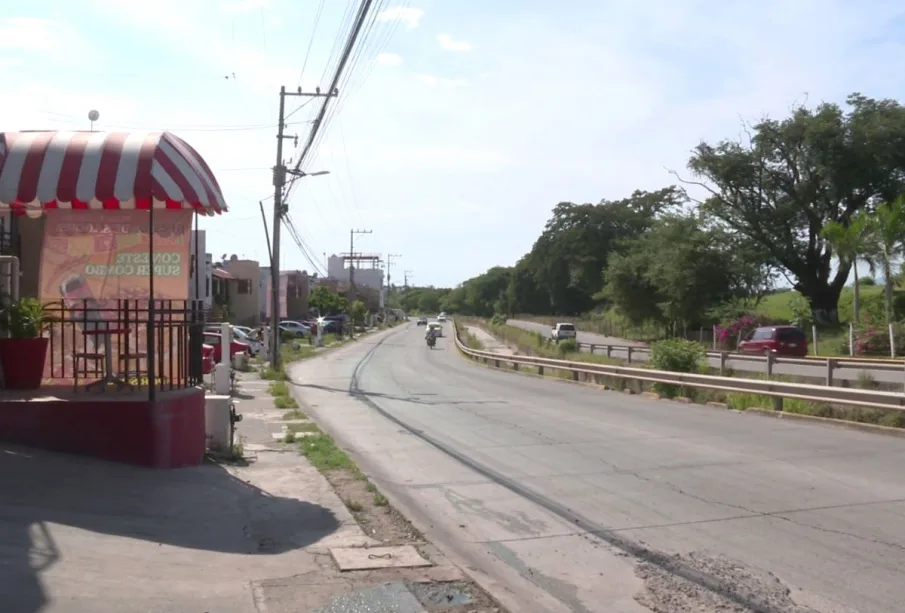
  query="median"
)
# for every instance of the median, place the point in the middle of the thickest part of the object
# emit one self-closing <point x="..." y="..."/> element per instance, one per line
<point x="677" y="356"/>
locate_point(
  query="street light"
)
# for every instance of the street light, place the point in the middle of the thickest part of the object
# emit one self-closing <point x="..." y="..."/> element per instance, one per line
<point x="301" y="173"/>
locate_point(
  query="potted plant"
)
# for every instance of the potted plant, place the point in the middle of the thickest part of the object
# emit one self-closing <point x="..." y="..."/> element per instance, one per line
<point x="23" y="351"/>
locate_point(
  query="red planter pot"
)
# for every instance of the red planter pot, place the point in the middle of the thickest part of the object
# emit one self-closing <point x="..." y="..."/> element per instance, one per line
<point x="22" y="361"/>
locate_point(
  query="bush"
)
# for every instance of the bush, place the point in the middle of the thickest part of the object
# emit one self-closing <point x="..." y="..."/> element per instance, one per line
<point x="676" y="355"/>
<point x="873" y="339"/>
<point x="498" y="320"/>
<point x="566" y="347"/>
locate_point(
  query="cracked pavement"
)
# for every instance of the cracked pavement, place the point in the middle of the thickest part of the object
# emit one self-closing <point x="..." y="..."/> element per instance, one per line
<point x="555" y="482"/>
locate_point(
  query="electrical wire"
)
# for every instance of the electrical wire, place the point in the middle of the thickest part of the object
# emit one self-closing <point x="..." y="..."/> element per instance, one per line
<point x="317" y="19"/>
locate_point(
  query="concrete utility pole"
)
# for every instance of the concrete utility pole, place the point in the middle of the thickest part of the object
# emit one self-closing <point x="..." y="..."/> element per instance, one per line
<point x="390" y="258"/>
<point x="406" y="274"/>
<point x="352" y="234"/>
<point x="279" y="209"/>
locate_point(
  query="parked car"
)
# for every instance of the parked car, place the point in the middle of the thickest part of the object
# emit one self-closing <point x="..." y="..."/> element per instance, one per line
<point x="422" y="321"/>
<point x="563" y="331"/>
<point x="334" y="324"/>
<point x="234" y="347"/>
<point x="777" y="340"/>
<point x="243" y="337"/>
<point x="207" y="358"/>
<point x="296" y="328"/>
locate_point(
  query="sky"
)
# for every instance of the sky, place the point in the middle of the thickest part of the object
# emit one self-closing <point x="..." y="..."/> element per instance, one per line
<point x="461" y="124"/>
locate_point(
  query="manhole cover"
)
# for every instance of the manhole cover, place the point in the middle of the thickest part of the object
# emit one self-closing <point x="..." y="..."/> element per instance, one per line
<point x="367" y="558"/>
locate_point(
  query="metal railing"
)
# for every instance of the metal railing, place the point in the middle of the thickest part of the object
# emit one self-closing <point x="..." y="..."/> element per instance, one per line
<point x="778" y="390"/>
<point x="82" y="332"/>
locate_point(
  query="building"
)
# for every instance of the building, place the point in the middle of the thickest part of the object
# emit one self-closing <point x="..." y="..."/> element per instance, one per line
<point x="294" y="291"/>
<point x="244" y="302"/>
<point x="367" y="269"/>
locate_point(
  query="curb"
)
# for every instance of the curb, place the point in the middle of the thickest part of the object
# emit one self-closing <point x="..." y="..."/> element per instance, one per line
<point x="827" y="421"/>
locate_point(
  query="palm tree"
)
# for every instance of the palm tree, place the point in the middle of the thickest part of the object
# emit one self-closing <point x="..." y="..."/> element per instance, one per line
<point x="887" y="229"/>
<point x="851" y="243"/>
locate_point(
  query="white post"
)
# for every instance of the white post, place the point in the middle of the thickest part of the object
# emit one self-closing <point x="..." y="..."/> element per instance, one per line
<point x="225" y="342"/>
<point x="892" y="341"/>
<point x="714" y="337"/>
<point x="320" y="332"/>
<point x="851" y="339"/>
<point x="814" y="336"/>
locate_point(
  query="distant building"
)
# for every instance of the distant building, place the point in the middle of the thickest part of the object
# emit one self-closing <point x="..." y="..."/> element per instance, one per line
<point x="244" y="303"/>
<point x="367" y="269"/>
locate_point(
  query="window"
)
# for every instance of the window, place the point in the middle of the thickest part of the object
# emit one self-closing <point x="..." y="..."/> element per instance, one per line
<point x="207" y="287"/>
<point x="791" y="335"/>
<point x="763" y="334"/>
<point x="244" y="286"/>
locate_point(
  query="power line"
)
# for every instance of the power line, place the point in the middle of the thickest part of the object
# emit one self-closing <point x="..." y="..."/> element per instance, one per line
<point x="333" y="88"/>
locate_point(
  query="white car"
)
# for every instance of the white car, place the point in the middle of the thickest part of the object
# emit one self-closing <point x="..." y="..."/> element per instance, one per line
<point x="563" y="331"/>
<point x="441" y="317"/>
<point x="255" y="345"/>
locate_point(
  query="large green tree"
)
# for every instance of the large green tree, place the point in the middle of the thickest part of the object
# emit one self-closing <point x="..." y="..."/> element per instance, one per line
<point x="784" y="183"/>
<point x="326" y="301"/>
<point x="671" y="271"/>
<point x="561" y="274"/>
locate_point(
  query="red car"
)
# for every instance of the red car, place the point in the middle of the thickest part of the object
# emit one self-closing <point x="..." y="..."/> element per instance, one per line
<point x="234" y="347"/>
<point x="776" y="340"/>
<point x="207" y="359"/>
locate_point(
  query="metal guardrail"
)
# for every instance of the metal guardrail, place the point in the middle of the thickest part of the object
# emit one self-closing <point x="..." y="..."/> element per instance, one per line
<point x="885" y="364"/>
<point x="778" y="390"/>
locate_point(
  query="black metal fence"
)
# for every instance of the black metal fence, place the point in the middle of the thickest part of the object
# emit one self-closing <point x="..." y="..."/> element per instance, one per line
<point x="124" y="341"/>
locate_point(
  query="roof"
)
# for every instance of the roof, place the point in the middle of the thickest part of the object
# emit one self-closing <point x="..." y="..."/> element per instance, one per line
<point x="104" y="170"/>
<point x="222" y="274"/>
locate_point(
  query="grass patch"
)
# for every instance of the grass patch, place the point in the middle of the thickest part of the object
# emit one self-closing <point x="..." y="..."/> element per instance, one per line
<point x="294" y="414"/>
<point x="380" y="500"/>
<point x="324" y="455"/>
<point x="353" y="506"/>
<point x="278" y="388"/>
<point x="298" y="428"/>
<point x="285" y="402"/>
<point x="270" y="374"/>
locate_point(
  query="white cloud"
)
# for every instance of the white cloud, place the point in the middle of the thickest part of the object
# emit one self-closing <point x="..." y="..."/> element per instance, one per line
<point x="389" y="59"/>
<point x="411" y="17"/>
<point x="54" y="40"/>
<point x="446" y="41"/>
<point x="433" y="81"/>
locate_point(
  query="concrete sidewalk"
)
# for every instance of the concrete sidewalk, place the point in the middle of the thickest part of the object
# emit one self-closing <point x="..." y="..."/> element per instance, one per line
<point x="490" y="342"/>
<point x="79" y="535"/>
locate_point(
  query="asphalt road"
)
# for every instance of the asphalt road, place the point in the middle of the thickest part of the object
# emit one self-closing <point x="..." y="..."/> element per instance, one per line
<point x="541" y="487"/>
<point x="816" y="372"/>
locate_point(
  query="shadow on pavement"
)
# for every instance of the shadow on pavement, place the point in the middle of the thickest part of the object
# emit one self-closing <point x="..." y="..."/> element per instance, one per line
<point x="203" y="508"/>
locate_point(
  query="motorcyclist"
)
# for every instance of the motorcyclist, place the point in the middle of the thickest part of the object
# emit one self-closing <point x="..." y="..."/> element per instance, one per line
<point x="431" y="331"/>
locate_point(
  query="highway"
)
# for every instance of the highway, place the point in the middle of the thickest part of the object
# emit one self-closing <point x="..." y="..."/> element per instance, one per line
<point x="561" y="497"/>
<point x="818" y="371"/>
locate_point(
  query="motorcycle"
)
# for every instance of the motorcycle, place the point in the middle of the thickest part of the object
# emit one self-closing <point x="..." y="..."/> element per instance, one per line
<point x="431" y="341"/>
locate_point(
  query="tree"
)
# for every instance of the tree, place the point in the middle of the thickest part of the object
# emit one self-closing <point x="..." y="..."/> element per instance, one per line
<point x="326" y="301"/>
<point x="851" y="243"/>
<point x="561" y="274"/>
<point x="669" y="272"/>
<point x="887" y="231"/>
<point x="429" y="302"/>
<point x="358" y="312"/>
<point x="790" y="178"/>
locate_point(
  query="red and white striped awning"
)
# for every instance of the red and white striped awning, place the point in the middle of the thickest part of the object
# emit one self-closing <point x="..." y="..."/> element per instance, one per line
<point x="104" y="170"/>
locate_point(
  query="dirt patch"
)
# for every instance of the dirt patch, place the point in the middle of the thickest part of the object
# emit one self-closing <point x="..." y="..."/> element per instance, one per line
<point x="748" y="590"/>
<point x="372" y="510"/>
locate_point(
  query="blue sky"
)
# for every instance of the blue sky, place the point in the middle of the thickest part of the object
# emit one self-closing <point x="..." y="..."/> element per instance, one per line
<point x="462" y="124"/>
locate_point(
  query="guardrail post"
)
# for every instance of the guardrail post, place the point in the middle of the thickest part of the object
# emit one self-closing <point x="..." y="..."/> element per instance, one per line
<point x="515" y="366"/>
<point x="777" y="404"/>
<point x="830" y="367"/>
<point x="575" y="376"/>
<point x="591" y="348"/>
<point x="496" y="363"/>
<point x="629" y="354"/>
<point x="723" y="358"/>
<point x="770" y="360"/>
<point x="609" y="351"/>
<point x="540" y="370"/>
